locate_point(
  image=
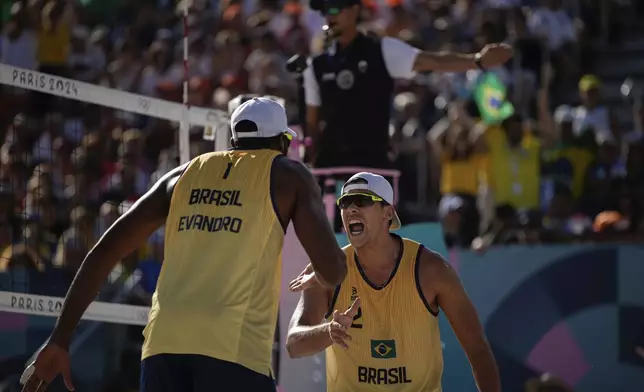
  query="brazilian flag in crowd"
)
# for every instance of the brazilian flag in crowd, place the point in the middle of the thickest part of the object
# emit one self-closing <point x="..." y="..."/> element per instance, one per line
<point x="490" y="96"/>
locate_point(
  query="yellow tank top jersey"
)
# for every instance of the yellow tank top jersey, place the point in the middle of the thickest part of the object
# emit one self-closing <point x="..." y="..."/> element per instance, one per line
<point x="396" y="343"/>
<point x="218" y="290"/>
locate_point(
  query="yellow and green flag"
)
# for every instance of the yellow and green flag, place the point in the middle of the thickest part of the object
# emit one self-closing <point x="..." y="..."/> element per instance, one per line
<point x="490" y="96"/>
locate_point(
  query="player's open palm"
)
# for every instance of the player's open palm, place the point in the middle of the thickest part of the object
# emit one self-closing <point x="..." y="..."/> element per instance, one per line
<point x="306" y="279"/>
<point x="341" y="322"/>
<point x="51" y="361"/>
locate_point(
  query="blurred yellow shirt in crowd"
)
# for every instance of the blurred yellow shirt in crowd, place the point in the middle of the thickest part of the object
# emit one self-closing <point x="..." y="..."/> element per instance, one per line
<point x="462" y="176"/>
<point x="514" y="172"/>
<point x="53" y="43"/>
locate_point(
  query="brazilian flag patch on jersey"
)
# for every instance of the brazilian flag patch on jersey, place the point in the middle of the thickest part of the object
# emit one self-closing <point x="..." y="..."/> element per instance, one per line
<point x="383" y="349"/>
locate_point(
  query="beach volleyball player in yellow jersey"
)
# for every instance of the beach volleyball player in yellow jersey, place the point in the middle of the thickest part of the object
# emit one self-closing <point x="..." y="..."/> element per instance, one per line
<point x="213" y="314"/>
<point x="380" y="326"/>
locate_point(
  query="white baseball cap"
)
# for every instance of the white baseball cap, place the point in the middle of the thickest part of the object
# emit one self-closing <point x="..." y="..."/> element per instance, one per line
<point x="268" y="116"/>
<point x="372" y="184"/>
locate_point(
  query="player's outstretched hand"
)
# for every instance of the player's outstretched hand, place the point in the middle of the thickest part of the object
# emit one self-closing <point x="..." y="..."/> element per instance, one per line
<point x="51" y="361"/>
<point x="306" y="279"/>
<point x="494" y="55"/>
<point x="341" y="322"/>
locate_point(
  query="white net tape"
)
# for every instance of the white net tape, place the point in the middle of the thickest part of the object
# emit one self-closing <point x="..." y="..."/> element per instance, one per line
<point x="115" y="99"/>
<point x="40" y="305"/>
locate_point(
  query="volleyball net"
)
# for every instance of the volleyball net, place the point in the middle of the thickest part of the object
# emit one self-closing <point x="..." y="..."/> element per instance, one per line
<point x="74" y="157"/>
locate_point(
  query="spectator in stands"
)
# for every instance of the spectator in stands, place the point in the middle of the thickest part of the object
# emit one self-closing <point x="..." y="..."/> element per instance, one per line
<point x="124" y="72"/>
<point x="514" y="170"/>
<point x="463" y="160"/>
<point x="605" y="178"/>
<point x="161" y="70"/>
<point x="20" y="256"/>
<point x="19" y="41"/>
<point x="592" y="116"/>
<point x="552" y="23"/>
<point x="18" y="46"/>
<point x="82" y="62"/>
<point x="56" y="23"/>
<point x="77" y="240"/>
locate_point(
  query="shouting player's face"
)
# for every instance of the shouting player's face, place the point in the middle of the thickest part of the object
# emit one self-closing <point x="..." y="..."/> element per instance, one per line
<point x="364" y="217"/>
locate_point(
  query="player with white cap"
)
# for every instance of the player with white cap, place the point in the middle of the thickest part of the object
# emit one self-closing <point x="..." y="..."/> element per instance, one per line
<point x="214" y="311"/>
<point x="393" y="291"/>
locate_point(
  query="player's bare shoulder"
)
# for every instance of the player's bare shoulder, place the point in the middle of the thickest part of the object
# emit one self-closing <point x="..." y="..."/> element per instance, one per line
<point x="434" y="275"/>
<point x="287" y="171"/>
<point x="433" y="265"/>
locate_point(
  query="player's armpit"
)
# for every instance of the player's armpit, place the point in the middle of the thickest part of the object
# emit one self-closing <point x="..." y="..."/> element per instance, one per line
<point x="308" y="331"/>
<point x="461" y="314"/>
<point x="128" y="232"/>
<point x="314" y="230"/>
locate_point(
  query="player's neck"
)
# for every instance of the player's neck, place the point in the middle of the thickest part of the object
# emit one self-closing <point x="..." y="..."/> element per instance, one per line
<point x="347" y="37"/>
<point x="381" y="252"/>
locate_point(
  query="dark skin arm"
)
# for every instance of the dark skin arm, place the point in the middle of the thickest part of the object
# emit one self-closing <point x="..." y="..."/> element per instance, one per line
<point x="441" y="285"/>
<point x="299" y="200"/>
<point x="126" y="234"/>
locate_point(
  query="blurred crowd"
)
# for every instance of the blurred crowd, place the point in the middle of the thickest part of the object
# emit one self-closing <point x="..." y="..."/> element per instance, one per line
<point x="558" y="167"/>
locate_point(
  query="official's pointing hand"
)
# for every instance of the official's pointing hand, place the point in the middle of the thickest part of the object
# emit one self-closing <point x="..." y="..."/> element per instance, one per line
<point x="341" y="322"/>
<point x="494" y="55"/>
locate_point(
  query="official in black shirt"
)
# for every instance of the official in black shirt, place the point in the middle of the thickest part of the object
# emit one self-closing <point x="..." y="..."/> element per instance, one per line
<point x="349" y="87"/>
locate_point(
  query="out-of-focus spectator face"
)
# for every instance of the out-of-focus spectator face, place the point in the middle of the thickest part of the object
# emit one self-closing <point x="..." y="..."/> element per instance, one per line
<point x="589" y="90"/>
<point x="17" y="19"/>
<point x="40" y="184"/>
<point x="591" y="97"/>
<point x="341" y="19"/>
<point x="161" y="54"/>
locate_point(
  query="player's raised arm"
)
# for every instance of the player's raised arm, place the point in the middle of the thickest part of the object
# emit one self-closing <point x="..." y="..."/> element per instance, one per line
<point x="126" y="234"/>
<point x="309" y="333"/>
<point x="441" y="281"/>
<point x="314" y="230"/>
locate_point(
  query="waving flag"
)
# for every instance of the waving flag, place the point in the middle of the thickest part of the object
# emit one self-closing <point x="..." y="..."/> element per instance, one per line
<point x="490" y="98"/>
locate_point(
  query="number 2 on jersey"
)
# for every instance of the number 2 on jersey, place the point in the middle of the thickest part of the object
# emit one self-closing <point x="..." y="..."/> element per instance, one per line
<point x="227" y="172"/>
